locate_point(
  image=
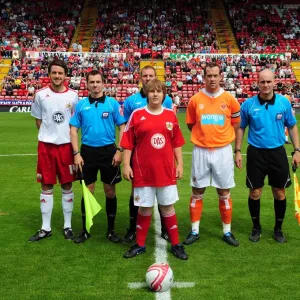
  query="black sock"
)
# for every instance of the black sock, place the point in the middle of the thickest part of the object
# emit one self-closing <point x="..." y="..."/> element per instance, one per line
<point x="133" y="212"/>
<point x="83" y="215"/>
<point x="254" y="209"/>
<point x="280" y="208"/>
<point x="111" y="210"/>
<point x="163" y="229"/>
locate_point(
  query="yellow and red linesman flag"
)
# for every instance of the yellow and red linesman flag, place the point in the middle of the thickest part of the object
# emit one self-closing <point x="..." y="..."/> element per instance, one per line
<point x="297" y="198"/>
<point x="92" y="207"/>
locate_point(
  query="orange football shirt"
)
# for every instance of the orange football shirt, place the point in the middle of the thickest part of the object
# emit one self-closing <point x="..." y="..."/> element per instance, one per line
<point x="212" y="118"/>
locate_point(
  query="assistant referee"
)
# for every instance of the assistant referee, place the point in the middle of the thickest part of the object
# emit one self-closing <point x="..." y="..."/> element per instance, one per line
<point x="266" y="115"/>
<point x="97" y="116"/>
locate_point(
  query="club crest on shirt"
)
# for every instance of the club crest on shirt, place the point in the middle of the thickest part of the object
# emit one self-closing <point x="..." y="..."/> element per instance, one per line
<point x="137" y="198"/>
<point x="39" y="176"/>
<point x="223" y="106"/>
<point x="278" y="116"/>
<point x="121" y="111"/>
<point x="169" y="125"/>
<point x="158" y="141"/>
<point x="105" y="115"/>
<point x="69" y="106"/>
<point x="201" y="106"/>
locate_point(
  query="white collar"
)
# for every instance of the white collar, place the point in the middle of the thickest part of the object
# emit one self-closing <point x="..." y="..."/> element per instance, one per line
<point x="213" y="95"/>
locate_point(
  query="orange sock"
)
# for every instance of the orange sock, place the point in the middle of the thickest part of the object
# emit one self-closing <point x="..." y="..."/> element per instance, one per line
<point x="225" y="207"/>
<point x="196" y="204"/>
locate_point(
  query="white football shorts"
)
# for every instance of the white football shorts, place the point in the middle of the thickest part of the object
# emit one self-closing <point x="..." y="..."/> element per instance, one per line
<point x="145" y="196"/>
<point x="212" y="167"/>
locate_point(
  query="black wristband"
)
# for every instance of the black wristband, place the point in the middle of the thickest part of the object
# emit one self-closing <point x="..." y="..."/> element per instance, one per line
<point x="237" y="150"/>
<point x="75" y="152"/>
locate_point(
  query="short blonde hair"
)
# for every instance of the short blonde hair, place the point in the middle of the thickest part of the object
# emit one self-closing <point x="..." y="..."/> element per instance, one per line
<point x="156" y="85"/>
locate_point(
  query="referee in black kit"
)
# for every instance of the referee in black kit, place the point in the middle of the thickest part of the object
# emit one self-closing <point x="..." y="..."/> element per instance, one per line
<point x="97" y="116"/>
<point x="267" y="114"/>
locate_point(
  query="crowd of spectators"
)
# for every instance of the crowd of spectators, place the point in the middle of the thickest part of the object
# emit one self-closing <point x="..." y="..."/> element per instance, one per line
<point x="154" y="27"/>
<point x="28" y="74"/>
<point x="240" y="73"/>
<point x="150" y="27"/>
<point x="128" y="31"/>
<point x="34" y="25"/>
<point x="183" y="77"/>
<point x="266" y="28"/>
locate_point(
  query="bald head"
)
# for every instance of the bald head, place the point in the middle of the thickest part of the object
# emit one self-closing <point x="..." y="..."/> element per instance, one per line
<point x="266" y="82"/>
<point x="266" y="73"/>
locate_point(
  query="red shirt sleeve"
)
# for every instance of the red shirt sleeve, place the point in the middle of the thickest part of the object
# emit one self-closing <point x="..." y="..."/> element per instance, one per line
<point x="128" y="137"/>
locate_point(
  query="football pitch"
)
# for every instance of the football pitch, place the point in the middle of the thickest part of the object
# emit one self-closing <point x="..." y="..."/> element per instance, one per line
<point x="58" y="269"/>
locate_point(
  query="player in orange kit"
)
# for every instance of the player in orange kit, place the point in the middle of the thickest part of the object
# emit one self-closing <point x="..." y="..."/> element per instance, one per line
<point x="213" y="117"/>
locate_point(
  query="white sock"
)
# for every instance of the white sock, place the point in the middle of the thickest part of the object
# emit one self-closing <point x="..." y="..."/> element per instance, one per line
<point x="46" y="200"/>
<point x="195" y="227"/>
<point x="226" y="228"/>
<point x="67" y="205"/>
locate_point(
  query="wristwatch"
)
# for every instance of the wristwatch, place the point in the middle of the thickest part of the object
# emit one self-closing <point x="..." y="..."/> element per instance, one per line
<point x="121" y="149"/>
<point x="297" y="149"/>
<point x="237" y="150"/>
<point x="75" y="152"/>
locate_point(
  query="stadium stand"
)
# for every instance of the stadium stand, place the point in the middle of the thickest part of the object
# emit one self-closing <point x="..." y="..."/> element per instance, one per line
<point x="127" y="33"/>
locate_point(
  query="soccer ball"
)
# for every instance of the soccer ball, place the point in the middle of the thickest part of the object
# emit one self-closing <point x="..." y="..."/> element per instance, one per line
<point x="159" y="277"/>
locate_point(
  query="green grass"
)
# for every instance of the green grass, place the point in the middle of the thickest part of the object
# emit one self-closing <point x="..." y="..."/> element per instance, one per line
<point x="59" y="269"/>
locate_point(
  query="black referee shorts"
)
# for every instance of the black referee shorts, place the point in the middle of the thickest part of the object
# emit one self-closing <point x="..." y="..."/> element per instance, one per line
<point x="267" y="162"/>
<point x="100" y="159"/>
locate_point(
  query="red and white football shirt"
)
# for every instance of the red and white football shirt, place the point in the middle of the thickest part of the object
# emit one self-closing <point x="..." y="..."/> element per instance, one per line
<point x="152" y="138"/>
<point x="55" y="111"/>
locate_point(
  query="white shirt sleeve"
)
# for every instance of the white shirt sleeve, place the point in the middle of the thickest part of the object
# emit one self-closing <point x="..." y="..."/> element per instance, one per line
<point x="36" y="107"/>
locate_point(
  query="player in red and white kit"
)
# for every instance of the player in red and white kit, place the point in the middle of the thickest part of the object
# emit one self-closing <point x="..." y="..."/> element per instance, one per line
<point x="52" y="109"/>
<point x="152" y="143"/>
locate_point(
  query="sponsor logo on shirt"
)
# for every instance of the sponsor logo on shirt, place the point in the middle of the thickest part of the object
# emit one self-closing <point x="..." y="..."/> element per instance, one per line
<point x="169" y="125"/>
<point x="279" y="116"/>
<point x="58" y="117"/>
<point x="142" y="118"/>
<point x="158" y="141"/>
<point x="212" y="119"/>
<point x="87" y="108"/>
<point x="105" y="115"/>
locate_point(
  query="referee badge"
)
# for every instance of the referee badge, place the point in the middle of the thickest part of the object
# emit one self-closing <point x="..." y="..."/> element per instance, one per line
<point x="278" y="116"/>
<point x="169" y="125"/>
<point x="105" y="115"/>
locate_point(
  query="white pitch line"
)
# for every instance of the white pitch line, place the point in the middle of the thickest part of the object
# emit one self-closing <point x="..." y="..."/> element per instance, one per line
<point x="23" y="154"/>
<point x="160" y="251"/>
<point x="183" y="285"/>
<point x="140" y="285"/>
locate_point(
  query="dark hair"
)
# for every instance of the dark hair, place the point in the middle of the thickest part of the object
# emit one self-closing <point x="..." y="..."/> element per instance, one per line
<point x="155" y="84"/>
<point x="59" y="63"/>
<point x="93" y="73"/>
<point x="211" y="65"/>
